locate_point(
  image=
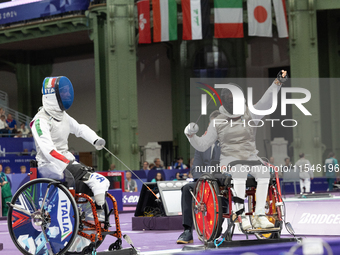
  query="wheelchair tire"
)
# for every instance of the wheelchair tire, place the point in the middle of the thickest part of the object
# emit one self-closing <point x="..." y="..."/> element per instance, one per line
<point x="86" y="208"/>
<point x="60" y="219"/>
<point x="211" y="223"/>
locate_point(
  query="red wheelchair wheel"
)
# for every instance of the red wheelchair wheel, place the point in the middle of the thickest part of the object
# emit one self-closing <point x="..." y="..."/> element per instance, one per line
<point x="207" y="209"/>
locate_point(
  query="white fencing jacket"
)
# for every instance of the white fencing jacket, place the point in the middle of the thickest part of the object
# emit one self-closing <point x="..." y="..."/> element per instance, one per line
<point x="50" y="130"/>
<point x="237" y="140"/>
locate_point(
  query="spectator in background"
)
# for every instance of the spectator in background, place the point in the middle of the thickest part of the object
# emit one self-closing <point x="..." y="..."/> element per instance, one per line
<point x="178" y="176"/>
<point x="332" y="167"/>
<point x="305" y="174"/>
<point x="12" y="124"/>
<point x="23" y="169"/>
<point x="23" y="131"/>
<point x="130" y="184"/>
<point x="112" y="167"/>
<point x="25" y="152"/>
<point x="287" y="167"/>
<point x="158" y="164"/>
<point x="271" y="161"/>
<point x="8" y="170"/>
<point x="158" y="178"/>
<point x="2" y="112"/>
<point x="179" y="164"/>
<point x="6" y="194"/>
<point x="151" y="166"/>
<point x="3" y="125"/>
<point x="145" y="165"/>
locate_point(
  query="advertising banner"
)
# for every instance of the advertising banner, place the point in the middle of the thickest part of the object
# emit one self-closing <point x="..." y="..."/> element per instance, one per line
<point x="130" y="198"/>
<point x="25" y="10"/>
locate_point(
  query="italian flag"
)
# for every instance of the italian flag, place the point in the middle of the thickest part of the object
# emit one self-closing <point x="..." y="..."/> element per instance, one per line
<point x="164" y="20"/>
<point x="49" y="82"/>
<point x="228" y="18"/>
<point x="196" y="19"/>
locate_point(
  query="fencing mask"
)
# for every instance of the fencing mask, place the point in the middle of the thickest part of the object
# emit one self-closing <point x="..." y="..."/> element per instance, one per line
<point x="228" y="96"/>
<point x="62" y="87"/>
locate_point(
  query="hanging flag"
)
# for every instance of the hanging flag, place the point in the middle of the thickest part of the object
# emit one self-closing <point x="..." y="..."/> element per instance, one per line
<point x="196" y="19"/>
<point x="143" y="7"/>
<point x="281" y="18"/>
<point x="164" y="20"/>
<point x="228" y="18"/>
<point x="260" y="18"/>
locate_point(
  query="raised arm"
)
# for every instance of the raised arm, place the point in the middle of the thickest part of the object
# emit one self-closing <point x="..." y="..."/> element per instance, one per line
<point x="266" y="102"/>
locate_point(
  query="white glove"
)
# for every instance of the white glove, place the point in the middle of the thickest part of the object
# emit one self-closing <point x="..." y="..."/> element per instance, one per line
<point x="191" y="129"/>
<point x="99" y="143"/>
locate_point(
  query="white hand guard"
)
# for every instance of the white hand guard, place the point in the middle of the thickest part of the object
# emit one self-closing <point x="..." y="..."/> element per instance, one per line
<point x="191" y="129"/>
<point x="99" y="143"/>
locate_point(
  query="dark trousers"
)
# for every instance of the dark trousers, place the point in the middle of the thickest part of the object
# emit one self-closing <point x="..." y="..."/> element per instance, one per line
<point x="73" y="174"/>
<point x="187" y="201"/>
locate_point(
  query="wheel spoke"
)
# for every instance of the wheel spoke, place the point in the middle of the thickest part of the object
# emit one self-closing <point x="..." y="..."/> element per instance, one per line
<point x="48" y="245"/>
<point x="16" y="207"/>
<point x="203" y="191"/>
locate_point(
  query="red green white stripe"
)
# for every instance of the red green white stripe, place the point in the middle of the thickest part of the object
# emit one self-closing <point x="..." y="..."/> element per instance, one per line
<point x="228" y="18"/>
<point x="164" y="20"/>
<point x="49" y="83"/>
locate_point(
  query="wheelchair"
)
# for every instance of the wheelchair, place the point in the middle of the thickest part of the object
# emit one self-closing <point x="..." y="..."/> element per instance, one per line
<point x="209" y="210"/>
<point x="46" y="217"/>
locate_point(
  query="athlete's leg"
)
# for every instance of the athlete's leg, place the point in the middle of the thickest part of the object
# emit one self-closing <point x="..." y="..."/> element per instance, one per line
<point x="239" y="175"/>
<point x="96" y="182"/>
<point x="307" y="185"/>
<point x="262" y="176"/>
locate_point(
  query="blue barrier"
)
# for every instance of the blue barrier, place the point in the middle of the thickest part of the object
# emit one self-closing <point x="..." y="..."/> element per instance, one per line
<point x="148" y="175"/>
<point x="152" y="174"/>
<point x="118" y="195"/>
<point x="14" y="162"/>
<point x="130" y="198"/>
<point x="318" y="184"/>
<point x="140" y="173"/>
<point x="17" y="180"/>
<point x="10" y="144"/>
<point x="140" y="184"/>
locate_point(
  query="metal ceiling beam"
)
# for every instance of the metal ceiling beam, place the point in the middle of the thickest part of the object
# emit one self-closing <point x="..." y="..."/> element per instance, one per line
<point x="44" y="28"/>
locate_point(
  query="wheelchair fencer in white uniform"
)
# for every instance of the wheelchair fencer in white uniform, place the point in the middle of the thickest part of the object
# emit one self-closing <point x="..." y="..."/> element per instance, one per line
<point x="48" y="215"/>
<point x="51" y="127"/>
<point x="237" y="142"/>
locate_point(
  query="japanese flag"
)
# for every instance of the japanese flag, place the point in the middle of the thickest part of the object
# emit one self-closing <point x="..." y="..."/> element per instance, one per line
<point x="260" y="18"/>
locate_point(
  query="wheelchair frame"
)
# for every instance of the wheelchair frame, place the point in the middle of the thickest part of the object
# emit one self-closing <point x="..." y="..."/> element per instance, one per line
<point x="225" y="190"/>
<point x="97" y="225"/>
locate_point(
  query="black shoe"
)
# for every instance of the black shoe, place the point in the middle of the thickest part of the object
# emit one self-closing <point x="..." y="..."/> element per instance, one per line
<point x="185" y="237"/>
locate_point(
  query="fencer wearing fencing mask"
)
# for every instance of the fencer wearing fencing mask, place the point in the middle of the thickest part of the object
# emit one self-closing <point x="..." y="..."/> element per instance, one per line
<point x="51" y="127"/>
<point x="237" y="142"/>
